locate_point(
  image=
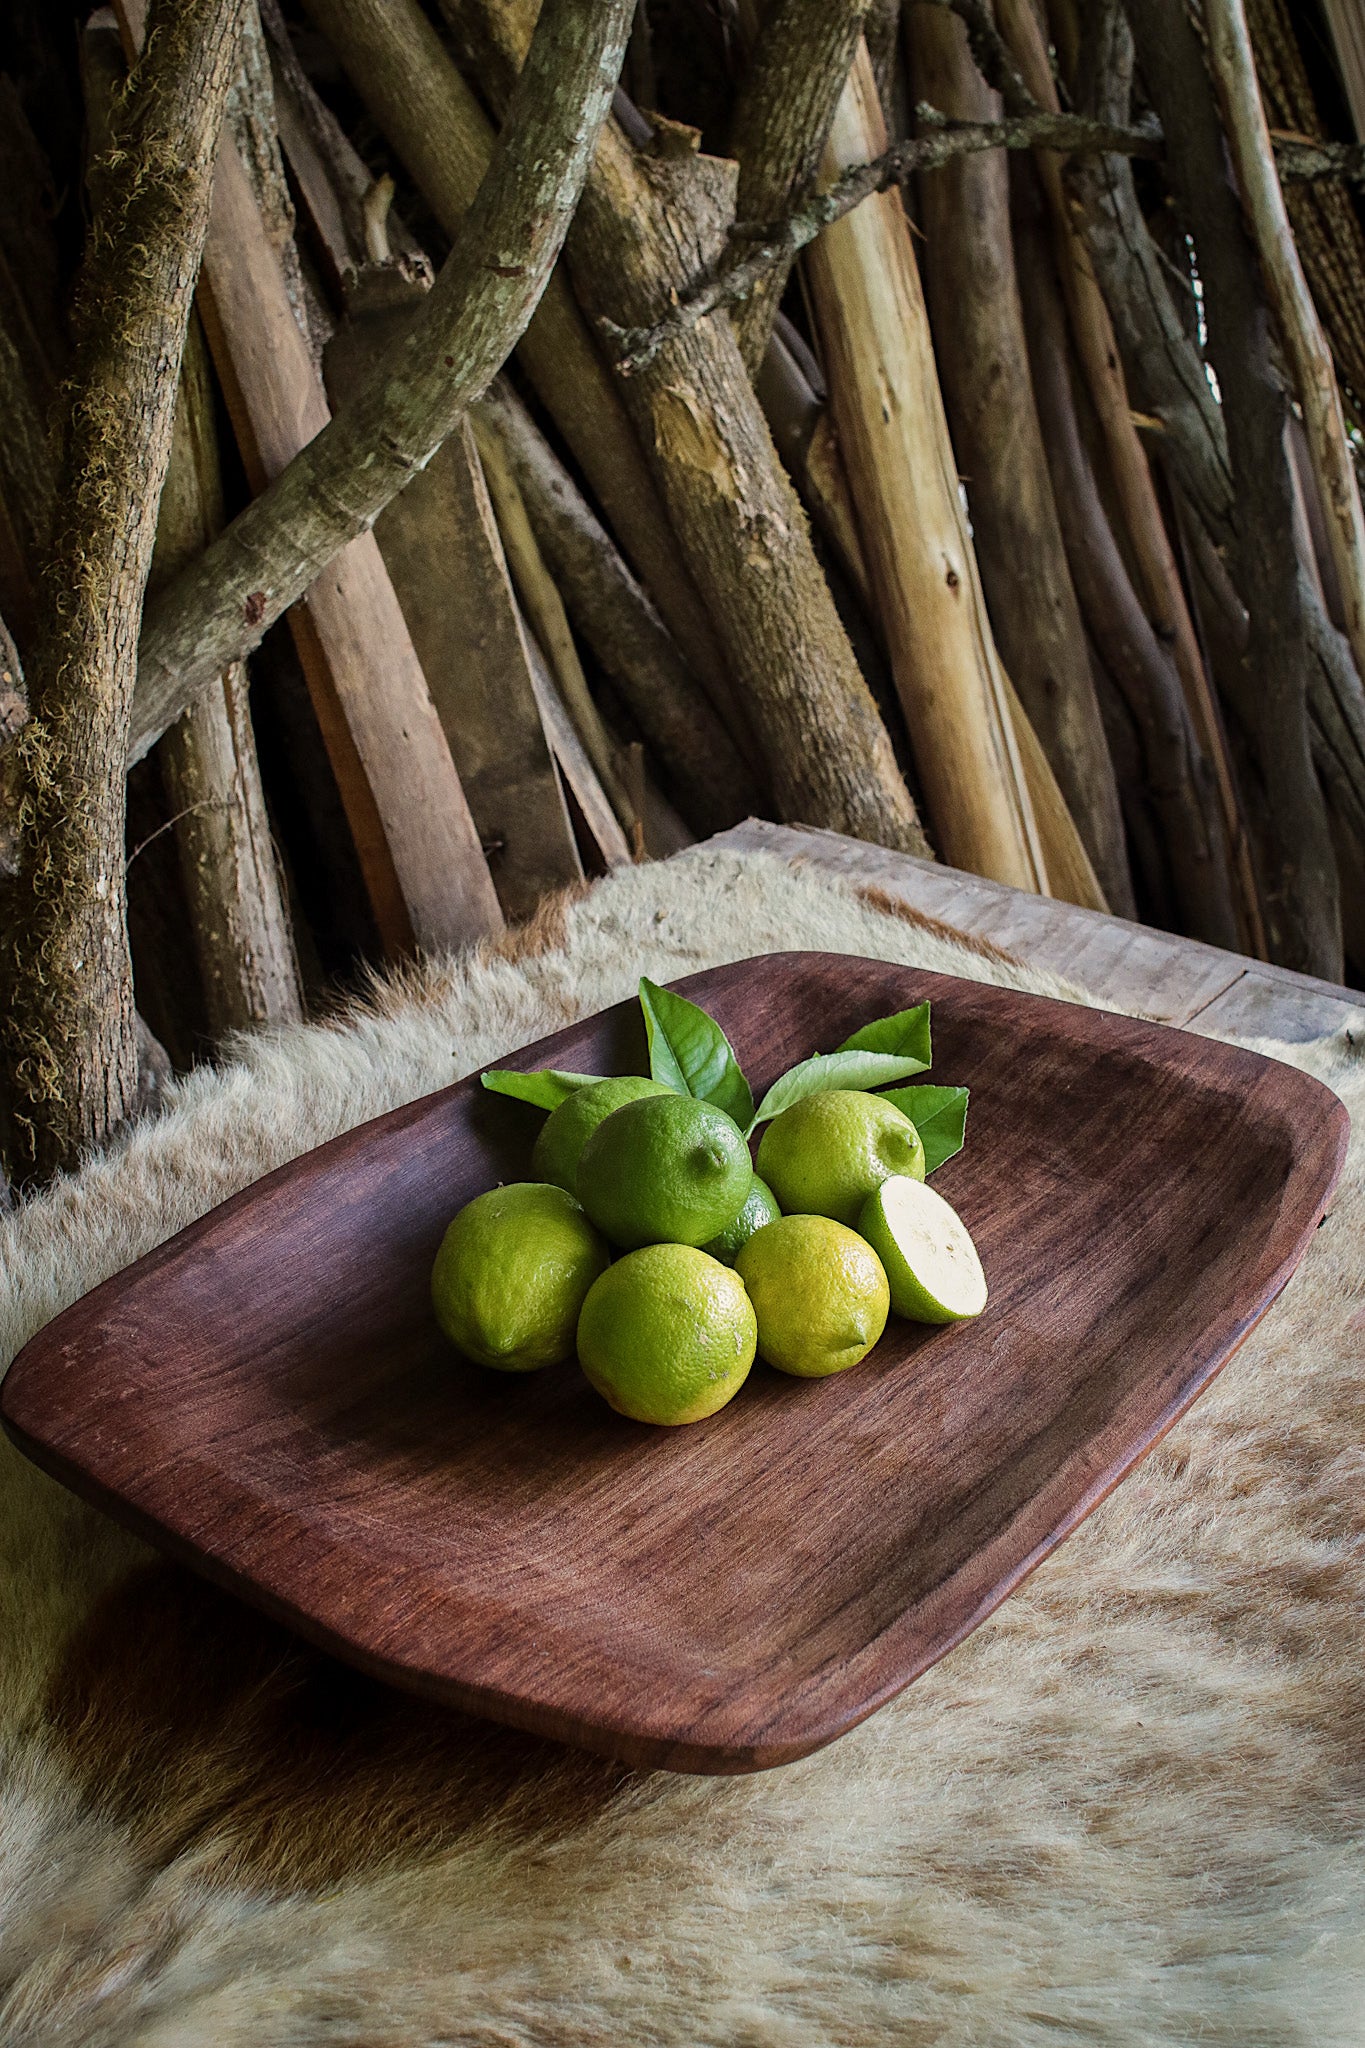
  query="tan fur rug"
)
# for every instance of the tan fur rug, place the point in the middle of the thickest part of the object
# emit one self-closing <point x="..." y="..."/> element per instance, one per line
<point x="1128" y="1810"/>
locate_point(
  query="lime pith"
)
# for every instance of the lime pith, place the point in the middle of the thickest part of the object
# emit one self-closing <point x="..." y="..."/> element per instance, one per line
<point x="933" y="1267"/>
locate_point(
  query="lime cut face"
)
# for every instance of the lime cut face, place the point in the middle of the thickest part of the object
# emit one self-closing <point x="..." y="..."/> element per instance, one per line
<point x="934" y="1269"/>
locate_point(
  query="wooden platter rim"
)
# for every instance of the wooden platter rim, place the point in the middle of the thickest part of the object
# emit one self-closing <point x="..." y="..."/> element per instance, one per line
<point x="1220" y="1338"/>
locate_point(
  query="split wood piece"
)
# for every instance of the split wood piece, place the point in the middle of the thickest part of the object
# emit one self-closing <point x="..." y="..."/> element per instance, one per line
<point x="810" y="448"/>
<point x="608" y="607"/>
<point x="68" y="1022"/>
<point x="982" y="352"/>
<point x="647" y="226"/>
<point x="587" y="797"/>
<point x="1267" y="684"/>
<point x="888" y="412"/>
<point x="1140" y="665"/>
<point x="441" y="548"/>
<point x="1160" y="587"/>
<point x="1071" y="873"/>
<point x="406" y="77"/>
<point x="424" y="868"/>
<point x="544" y="609"/>
<point x="800" y="59"/>
<point x="239" y="922"/>
<point x="618" y="621"/>
<point x="1310" y="359"/>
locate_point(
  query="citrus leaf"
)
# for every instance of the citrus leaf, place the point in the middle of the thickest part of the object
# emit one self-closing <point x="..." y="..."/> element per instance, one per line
<point x="546" y="1089"/>
<point x="906" y="1032"/>
<point x="836" y="1070"/>
<point x="688" y="1051"/>
<point x="940" y="1117"/>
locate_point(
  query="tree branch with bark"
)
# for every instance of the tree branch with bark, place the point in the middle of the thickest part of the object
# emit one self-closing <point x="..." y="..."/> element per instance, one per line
<point x="489" y="286"/>
<point x="70" y="1040"/>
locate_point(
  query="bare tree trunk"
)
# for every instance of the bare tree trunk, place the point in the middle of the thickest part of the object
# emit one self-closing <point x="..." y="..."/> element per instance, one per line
<point x="983" y="364"/>
<point x="1267" y="690"/>
<point x="69" y="1028"/>
<point x="786" y="102"/>
<point x="405" y="75"/>
<point x="647" y="227"/>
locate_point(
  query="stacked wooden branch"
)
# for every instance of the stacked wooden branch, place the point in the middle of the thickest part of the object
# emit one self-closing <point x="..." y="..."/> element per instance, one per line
<point x="941" y="426"/>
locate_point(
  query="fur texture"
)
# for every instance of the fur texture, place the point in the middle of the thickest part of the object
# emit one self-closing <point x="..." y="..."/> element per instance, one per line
<point x="1127" y="1810"/>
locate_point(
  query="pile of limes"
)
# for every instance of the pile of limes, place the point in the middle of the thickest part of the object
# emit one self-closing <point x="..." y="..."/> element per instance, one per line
<point x="800" y="1261"/>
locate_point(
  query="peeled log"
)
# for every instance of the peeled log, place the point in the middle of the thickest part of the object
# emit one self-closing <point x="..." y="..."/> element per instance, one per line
<point x="982" y="352"/>
<point x="888" y="410"/>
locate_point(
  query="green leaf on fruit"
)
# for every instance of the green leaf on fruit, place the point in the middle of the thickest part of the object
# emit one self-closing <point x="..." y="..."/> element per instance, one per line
<point x="689" y="1052"/>
<point x="845" y="1069"/>
<point x="546" y="1089"/>
<point x="907" y="1032"/>
<point x="940" y="1117"/>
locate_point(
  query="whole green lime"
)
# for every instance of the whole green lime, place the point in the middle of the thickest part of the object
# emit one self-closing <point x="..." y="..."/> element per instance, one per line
<point x="819" y="1293"/>
<point x="667" y="1169"/>
<point x="667" y="1334"/>
<point x="566" y="1130"/>
<point x="826" y="1154"/>
<point x="512" y="1273"/>
<point x="760" y="1207"/>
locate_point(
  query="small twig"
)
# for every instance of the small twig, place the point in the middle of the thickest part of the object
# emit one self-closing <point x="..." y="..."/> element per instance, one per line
<point x="1306" y="161"/>
<point x="779" y="242"/>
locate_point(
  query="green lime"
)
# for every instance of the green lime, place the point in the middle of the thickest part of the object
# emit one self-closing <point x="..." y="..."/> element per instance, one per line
<point x="566" y="1130"/>
<point x="819" y="1293"/>
<point x="825" y="1155"/>
<point x="760" y="1207"/>
<point x="511" y="1274"/>
<point x="930" y="1260"/>
<point x="665" y="1170"/>
<point x="667" y="1334"/>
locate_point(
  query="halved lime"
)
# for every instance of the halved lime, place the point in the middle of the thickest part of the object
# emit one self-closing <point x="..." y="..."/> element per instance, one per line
<point x="926" y="1248"/>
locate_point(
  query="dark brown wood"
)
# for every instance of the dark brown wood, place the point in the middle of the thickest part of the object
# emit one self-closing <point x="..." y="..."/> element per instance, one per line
<point x="268" y="1397"/>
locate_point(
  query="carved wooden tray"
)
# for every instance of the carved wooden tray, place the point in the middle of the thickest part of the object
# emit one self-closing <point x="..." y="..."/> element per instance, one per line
<point x="267" y="1396"/>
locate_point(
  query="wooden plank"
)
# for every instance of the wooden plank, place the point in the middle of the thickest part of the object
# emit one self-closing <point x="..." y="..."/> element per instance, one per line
<point x="441" y="547"/>
<point x="1261" y="1004"/>
<point x="1149" y="973"/>
<point x="418" y="846"/>
<point x="1129" y="965"/>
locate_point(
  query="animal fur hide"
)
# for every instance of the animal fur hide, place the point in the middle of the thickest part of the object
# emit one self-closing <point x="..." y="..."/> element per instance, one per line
<point x="1127" y="1810"/>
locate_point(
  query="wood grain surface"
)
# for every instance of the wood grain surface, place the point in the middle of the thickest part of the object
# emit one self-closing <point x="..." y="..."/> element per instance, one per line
<point x="268" y="1397"/>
